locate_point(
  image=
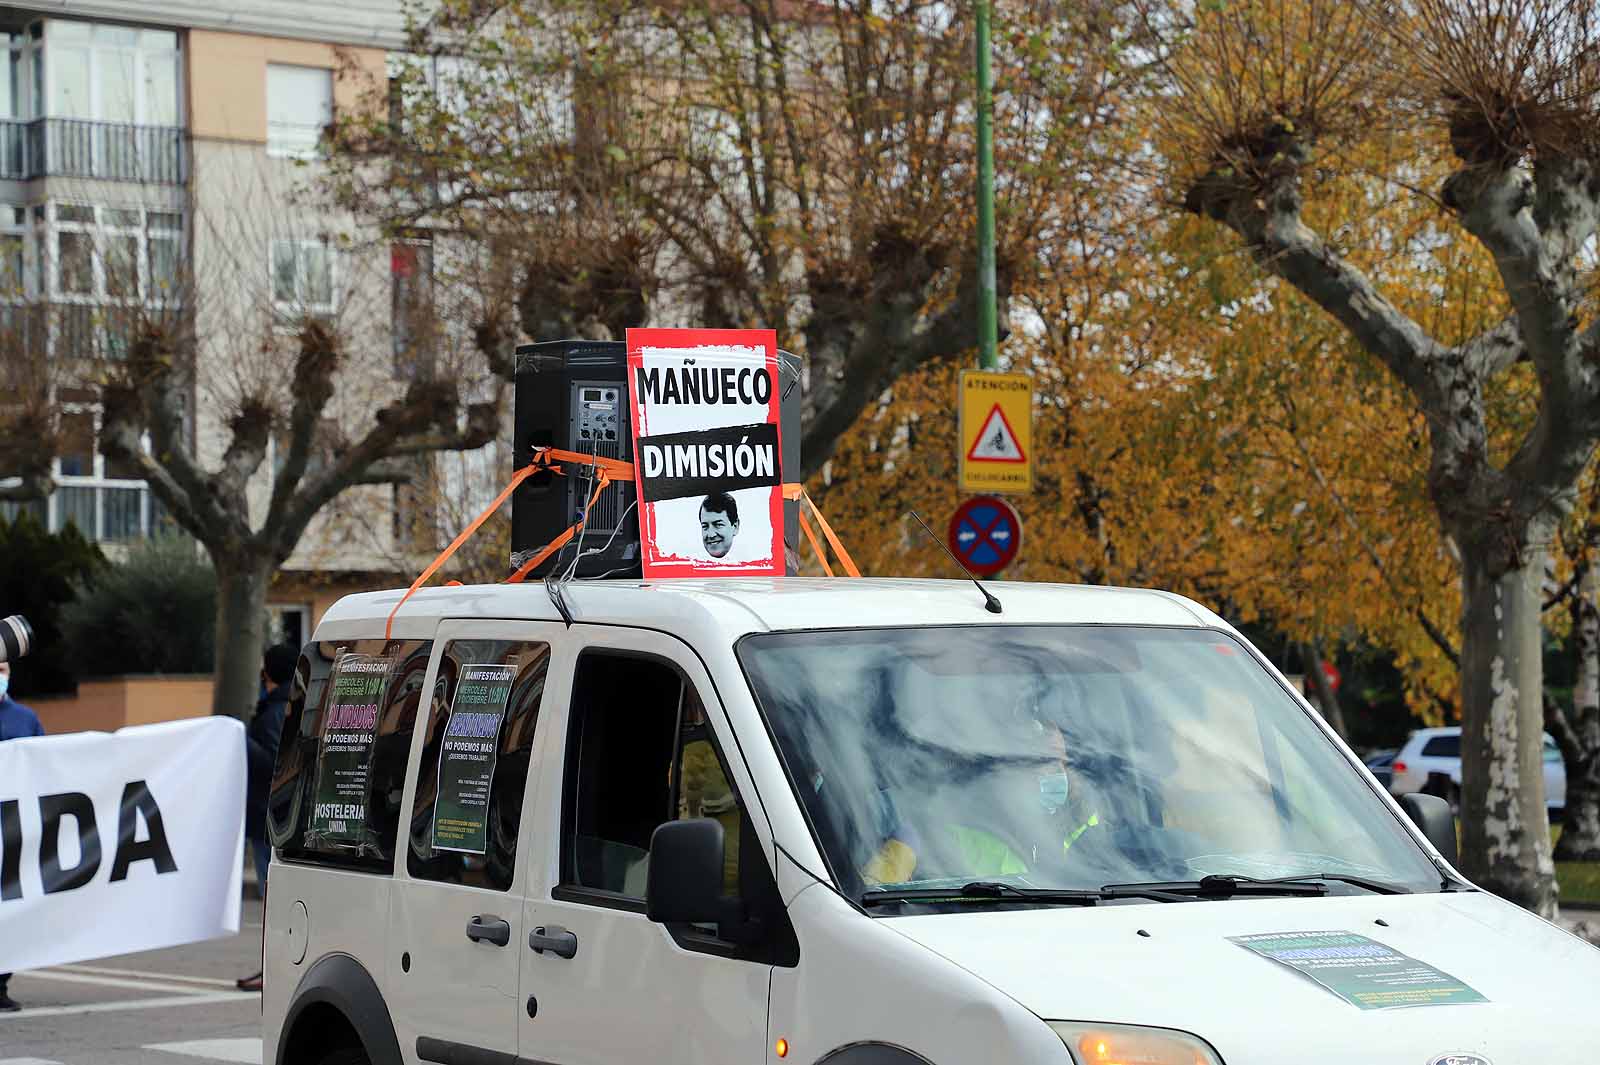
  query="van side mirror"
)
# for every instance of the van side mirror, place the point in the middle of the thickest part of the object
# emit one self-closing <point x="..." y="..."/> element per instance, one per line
<point x="1432" y="815"/>
<point x="684" y="883"/>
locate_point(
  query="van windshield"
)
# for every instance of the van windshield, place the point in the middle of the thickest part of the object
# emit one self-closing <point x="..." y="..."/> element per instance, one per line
<point x="1063" y="757"/>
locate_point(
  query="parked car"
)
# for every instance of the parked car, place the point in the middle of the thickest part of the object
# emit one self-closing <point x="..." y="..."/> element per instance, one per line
<point x="1430" y="761"/>
<point x="1381" y="762"/>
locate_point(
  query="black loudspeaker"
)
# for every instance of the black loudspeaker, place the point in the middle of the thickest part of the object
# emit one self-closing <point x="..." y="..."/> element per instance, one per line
<point x="573" y="395"/>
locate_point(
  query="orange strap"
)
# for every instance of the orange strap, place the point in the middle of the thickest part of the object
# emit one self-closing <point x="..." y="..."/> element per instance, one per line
<point x="805" y="527"/>
<point x="833" y="540"/>
<point x="609" y="470"/>
<point x="616" y="469"/>
<point x="455" y="545"/>
<point x="560" y="541"/>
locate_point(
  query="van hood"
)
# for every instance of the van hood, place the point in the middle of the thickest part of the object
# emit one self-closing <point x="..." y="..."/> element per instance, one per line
<point x="1173" y="965"/>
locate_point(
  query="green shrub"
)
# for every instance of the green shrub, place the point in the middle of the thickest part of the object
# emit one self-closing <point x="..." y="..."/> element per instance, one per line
<point x="154" y="612"/>
<point x="40" y="574"/>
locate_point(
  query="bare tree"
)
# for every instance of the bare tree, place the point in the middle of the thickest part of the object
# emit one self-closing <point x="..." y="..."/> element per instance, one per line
<point x="249" y="376"/>
<point x="807" y="167"/>
<point x="1263" y="102"/>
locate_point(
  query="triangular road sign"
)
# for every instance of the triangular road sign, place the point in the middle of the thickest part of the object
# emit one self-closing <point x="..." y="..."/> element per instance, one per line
<point x="996" y="441"/>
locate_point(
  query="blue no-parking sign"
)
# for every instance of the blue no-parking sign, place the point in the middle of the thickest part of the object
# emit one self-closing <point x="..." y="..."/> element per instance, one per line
<point x="985" y="534"/>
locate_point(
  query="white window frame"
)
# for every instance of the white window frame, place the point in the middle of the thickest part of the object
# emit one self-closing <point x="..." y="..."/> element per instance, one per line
<point x="14" y="223"/>
<point x="98" y="481"/>
<point x="139" y="52"/>
<point x="278" y="149"/>
<point x="152" y="224"/>
<point x="291" y="310"/>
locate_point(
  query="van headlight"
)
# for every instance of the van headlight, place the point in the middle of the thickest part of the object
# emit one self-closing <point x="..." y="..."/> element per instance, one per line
<point x="1124" y="1044"/>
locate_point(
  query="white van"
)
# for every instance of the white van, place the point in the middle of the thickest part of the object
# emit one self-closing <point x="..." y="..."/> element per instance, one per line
<point x="862" y="822"/>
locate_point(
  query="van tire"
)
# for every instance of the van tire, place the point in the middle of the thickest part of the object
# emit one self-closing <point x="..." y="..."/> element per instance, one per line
<point x="346" y="1056"/>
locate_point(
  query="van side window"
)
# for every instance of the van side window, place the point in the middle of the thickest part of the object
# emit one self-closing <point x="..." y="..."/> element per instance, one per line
<point x="483" y="710"/>
<point x="640" y="752"/>
<point x="703" y="788"/>
<point x="644" y="755"/>
<point x="619" y="770"/>
<point x="335" y="793"/>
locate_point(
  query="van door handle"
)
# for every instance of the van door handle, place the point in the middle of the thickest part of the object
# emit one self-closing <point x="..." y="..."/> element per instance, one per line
<point x="555" y="939"/>
<point x="492" y="929"/>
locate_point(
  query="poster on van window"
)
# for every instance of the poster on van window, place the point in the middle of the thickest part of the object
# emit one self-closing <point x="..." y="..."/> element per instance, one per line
<point x="1365" y="973"/>
<point x="349" y="726"/>
<point x="706" y="451"/>
<point x="467" y="758"/>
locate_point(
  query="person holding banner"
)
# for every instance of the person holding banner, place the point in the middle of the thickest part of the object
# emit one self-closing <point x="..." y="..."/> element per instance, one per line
<point x="16" y="722"/>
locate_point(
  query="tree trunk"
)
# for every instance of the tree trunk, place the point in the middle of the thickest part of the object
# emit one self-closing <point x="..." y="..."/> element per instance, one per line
<point x="241" y="633"/>
<point x="1327" y="700"/>
<point x="1580" y="836"/>
<point x="1505" y="829"/>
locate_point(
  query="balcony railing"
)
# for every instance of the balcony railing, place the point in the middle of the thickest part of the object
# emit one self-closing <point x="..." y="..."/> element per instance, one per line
<point x="109" y="151"/>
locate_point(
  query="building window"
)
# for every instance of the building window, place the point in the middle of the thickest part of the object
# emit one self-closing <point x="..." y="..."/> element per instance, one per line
<point x="14" y="251"/>
<point x="299" y="108"/>
<point x="109" y="73"/>
<point x="411" y="304"/>
<point x="113" y="254"/>
<point x="103" y="497"/>
<point x="302" y="277"/>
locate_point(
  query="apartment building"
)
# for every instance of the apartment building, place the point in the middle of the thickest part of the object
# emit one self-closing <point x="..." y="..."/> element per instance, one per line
<point x="141" y="140"/>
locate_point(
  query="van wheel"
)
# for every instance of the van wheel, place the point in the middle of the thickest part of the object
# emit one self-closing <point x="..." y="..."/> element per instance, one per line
<point x="355" y="1055"/>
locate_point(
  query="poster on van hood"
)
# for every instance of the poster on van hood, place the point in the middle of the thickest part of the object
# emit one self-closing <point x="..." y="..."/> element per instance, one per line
<point x="1365" y="973"/>
<point x="349" y="726"/>
<point x="706" y="451"/>
<point x="467" y="758"/>
<point x="115" y="842"/>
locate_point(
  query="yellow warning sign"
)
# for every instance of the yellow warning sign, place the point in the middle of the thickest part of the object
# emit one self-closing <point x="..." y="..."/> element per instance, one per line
<point x="996" y="432"/>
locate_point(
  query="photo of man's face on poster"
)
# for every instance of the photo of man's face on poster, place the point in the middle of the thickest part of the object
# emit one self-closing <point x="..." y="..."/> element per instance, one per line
<point x="719" y="523"/>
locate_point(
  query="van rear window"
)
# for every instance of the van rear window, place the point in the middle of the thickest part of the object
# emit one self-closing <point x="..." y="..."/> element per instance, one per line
<point x="335" y="795"/>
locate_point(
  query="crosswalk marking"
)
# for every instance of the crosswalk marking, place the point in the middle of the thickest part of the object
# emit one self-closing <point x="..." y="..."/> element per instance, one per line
<point x="113" y="981"/>
<point x="164" y="1002"/>
<point x="218" y="1051"/>
<point x="243" y="1051"/>
<point x="95" y="970"/>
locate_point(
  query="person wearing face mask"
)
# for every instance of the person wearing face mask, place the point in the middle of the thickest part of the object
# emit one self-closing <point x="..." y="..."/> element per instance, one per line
<point x="16" y="722"/>
<point x="1038" y="769"/>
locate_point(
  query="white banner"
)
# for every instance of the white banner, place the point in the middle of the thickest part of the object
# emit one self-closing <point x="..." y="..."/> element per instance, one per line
<point x="112" y="842"/>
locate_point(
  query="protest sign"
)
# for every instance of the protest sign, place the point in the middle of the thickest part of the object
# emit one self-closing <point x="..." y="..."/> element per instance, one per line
<point x="348" y="729"/>
<point x="467" y="758"/>
<point x="1365" y="973"/>
<point x="706" y="447"/>
<point x="114" y="842"/>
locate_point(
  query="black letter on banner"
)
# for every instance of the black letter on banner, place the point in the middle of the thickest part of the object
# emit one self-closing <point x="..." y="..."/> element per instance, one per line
<point x="649" y="382"/>
<point x="10" y="851"/>
<point x="137" y="801"/>
<point x="52" y="808"/>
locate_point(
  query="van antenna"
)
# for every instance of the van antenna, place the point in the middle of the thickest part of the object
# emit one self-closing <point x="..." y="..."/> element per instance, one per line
<point x="990" y="603"/>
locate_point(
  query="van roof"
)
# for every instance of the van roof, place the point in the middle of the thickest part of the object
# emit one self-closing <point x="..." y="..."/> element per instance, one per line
<point x="733" y="607"/>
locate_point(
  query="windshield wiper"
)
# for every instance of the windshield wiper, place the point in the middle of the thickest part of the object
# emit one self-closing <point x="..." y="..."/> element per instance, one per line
<point x="995" y="891"/>
<point x="1221" y="886"/>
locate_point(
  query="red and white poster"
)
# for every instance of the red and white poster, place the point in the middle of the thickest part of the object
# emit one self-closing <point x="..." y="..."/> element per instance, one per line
<point x="706" y="451"/>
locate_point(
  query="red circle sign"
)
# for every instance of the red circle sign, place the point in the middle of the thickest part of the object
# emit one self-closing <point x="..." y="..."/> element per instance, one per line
<point x="985" y="533"/>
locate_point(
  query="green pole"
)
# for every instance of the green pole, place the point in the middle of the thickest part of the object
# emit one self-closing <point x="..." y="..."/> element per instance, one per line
<point x="988" y="332"/>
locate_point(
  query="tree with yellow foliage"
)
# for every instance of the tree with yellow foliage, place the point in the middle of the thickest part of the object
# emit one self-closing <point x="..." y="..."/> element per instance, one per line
<point x="1481" y="114"/>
